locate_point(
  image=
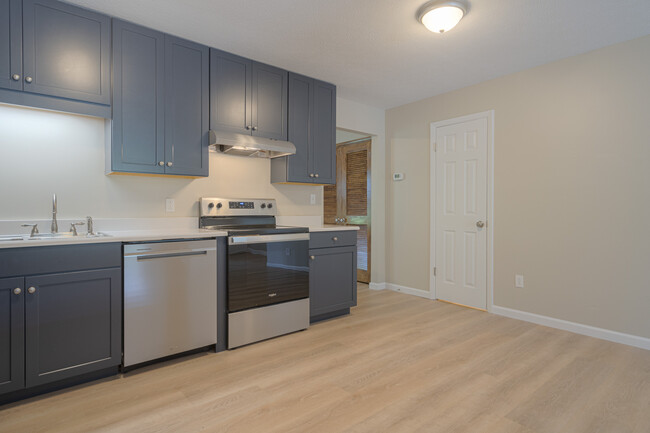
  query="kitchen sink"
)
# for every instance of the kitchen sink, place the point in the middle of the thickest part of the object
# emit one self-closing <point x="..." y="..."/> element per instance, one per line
<point x="47" y="236"/>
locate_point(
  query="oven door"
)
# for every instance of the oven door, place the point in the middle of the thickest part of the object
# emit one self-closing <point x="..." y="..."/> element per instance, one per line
<point x="267" y="269"/>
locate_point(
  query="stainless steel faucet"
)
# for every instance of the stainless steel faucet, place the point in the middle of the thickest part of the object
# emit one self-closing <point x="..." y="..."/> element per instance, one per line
<point x="91" y="227"/>
<point x="55" y="225"/>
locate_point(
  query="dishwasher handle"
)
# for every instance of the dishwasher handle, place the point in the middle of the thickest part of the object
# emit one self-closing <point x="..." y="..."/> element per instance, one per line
<point x="166" y="255"/>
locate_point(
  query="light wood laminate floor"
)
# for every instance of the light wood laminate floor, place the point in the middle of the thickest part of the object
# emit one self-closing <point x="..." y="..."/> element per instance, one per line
<point x="397" y="364"/>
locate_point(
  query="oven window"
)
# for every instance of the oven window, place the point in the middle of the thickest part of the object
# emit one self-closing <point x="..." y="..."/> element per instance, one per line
<point x="269" y="273"/>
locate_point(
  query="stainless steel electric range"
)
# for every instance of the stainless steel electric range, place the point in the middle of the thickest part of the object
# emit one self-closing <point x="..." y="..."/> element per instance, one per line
<point x="268" y="269"/>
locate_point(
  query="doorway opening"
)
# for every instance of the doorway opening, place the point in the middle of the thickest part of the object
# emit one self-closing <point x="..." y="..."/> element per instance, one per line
<point x="348" y="201"/>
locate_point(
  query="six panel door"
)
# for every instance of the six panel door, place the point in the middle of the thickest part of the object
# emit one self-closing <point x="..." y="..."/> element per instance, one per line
<point x="461" y="210"/>
<point x="230" y="92"/>
<point x="66" y="51"/>
<point x="74" y="324"/>
<point x="138" y="139"/>
<point x="12" y="338"/>
<point x="269" y="117"/>
<point x="323" y="150"/>
<point x="186" y="107"/>
<point x="11" y="35"/>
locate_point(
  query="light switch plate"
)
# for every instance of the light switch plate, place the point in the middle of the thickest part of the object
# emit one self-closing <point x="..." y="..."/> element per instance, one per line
<point x="170" y="206"/>
<point x="519" y="281"/>
<point x="312" y="198"/>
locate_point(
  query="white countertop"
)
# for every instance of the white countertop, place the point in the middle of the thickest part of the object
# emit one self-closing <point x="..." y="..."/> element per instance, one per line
<point x="140" y="230"/>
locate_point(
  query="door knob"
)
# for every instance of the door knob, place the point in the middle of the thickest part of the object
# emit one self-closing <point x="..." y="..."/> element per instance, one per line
<point x="31" y="290"/>
<point x="480" y="224"/>
<point x="17" y="291"/>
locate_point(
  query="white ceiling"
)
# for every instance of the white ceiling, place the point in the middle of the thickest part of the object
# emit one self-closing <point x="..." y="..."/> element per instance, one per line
<point x="377" y="53"/>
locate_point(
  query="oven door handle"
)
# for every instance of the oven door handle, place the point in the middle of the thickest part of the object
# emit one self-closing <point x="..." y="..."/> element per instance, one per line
<point x="267" y="239"/>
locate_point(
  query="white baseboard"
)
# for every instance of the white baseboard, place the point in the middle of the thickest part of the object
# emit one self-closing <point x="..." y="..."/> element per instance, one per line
<point x="401" y="289"/>
<point x="578" y="328"/>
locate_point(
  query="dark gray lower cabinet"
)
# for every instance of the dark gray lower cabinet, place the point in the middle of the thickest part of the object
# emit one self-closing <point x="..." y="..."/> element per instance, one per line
<point x="59" y="325"/>
<point x="12" y="336"/>
<point x="332" y="281"/>
<point x="73" y="323"/>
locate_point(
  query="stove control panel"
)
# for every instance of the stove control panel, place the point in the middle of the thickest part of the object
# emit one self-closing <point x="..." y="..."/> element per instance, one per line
<point x="210" y="206"/>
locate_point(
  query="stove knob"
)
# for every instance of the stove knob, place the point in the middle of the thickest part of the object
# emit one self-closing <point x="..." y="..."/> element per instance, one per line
<point x="219" y="205"/>
<point x="263" y="206"/>
<point x="270" y="205"/>
<point x="210" y="205"/>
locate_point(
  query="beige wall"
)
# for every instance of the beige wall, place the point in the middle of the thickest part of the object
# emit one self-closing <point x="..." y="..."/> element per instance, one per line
<point x="572" y="186"/>
<point x="44" y="152"/>
<point x="370" y="120"/>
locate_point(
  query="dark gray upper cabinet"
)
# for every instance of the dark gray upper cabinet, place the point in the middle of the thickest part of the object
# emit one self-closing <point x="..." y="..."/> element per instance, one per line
<point x="230" y="92"/>
<point x="66" y="51"/>
<point x="11" y="33"/>
<point x="12" y="338"/>
<point x="247" y="97"/>
<point x="312" y="129"/>
<point x="160" y="103"/>
<point x="269" y="101"/>
<point x="323" y="149"/>
<point x="73" y="324"/>
<point x="55" y="56"/>
<point x="138" y="104"/>
<point x="187" y="107"/>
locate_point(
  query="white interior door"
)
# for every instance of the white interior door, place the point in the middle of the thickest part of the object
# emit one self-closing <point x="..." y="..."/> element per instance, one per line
<point x="460" y="213"/>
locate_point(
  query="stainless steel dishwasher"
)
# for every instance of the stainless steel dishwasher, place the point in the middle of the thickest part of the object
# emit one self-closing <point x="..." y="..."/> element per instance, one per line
<point x="170" y="298"/>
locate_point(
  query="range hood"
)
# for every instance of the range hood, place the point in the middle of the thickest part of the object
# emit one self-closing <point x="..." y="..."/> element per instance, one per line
<point x="247" y="145"/>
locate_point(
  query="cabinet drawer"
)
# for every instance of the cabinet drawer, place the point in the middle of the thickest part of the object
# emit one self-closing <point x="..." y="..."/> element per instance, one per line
<point x="332" y="239"/>
<point x="59" y="258"/>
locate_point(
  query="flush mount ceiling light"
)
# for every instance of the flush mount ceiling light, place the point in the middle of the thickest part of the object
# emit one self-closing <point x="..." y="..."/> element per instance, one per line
<point x="440" y="16"/>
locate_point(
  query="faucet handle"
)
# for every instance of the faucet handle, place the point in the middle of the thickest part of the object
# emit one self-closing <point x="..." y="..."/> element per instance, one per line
<point x="91" y="229"/>
<point x="73" y="227"/>
<point x="34" y="229"/>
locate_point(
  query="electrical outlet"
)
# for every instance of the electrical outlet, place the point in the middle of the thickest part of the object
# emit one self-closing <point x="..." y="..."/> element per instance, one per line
<point x="170" y="206"/>
<point x="519" y="281"/>
<point x="312" y="199"/>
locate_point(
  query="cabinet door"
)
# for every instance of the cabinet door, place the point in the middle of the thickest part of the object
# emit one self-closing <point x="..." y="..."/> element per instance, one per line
<point x="230" y="92"/>
<point x="73" y="324"/>
<point x="300" y="115"/>
<point x="66" y="51"/>
<point x="138" y="144"/>
<point x="12" y="337"/>
<point x="323" y="150"/>
<point x="332" y="280"/>
<point x="11" y="34"/>
<point x="269" y="101"/>
<point x="186" y="109"/>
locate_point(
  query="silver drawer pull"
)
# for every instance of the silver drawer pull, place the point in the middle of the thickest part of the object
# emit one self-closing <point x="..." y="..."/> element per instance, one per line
<point x="335" y="238"/>
<point x="272" y="295"/>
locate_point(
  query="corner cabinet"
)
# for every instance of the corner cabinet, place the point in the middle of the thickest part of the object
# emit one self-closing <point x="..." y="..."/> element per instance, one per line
<point x="332" y="274"/>
<point x="247" y="97"/>
<point x="55" y="56"/>
<point x="60" y="313"/>
<point x="312" y="129"/>
<point x="160" y="103"/>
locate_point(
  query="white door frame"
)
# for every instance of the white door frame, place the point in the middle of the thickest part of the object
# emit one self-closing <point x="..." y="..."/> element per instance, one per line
<point x="489" y="115"/>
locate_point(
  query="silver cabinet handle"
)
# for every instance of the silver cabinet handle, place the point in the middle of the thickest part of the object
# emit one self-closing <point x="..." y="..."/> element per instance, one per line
<point x="335" y="239"/>
<point x="254" y="128"/>
<point x="312" y="257"/>
<point x="311" y="174"/>
<point x="480" y="224"/>
<point x="17" y="291"/>
<point x="28" y="79"/>
<point x="15" y="77"/>
<point x="248" y="127"/>
<point x="169" y="164"/>
<point x="31" y="290"/>
<point x="316" y="175"/>
<point x="161" y="163"/>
